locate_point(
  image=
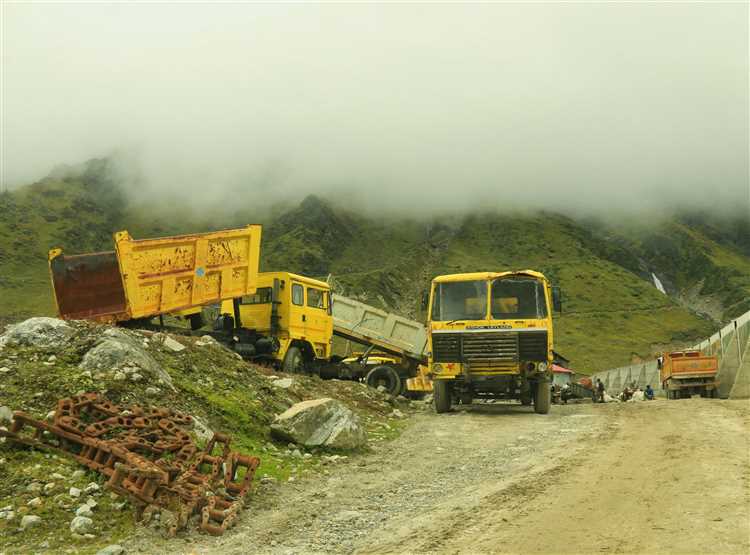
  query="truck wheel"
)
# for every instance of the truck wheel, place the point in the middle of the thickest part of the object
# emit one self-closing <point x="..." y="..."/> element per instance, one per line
<point x="196" y="321"/>
<point x="293" y="363"/>
<point x="386" y="376"/>
<point x="542" y="398"/>
<point x="442" y="391"/>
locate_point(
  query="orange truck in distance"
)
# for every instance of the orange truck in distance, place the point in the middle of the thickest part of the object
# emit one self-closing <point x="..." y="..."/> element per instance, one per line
<point x="686" y="373"/>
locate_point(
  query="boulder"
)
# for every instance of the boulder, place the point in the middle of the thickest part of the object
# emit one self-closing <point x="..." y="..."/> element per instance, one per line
<point x="41" y="332"/>
<point x="81" y="525"/>
<point x="284" y="383"/>
<point x="84" y="510"/>
<point x="173" y="344"/>
<point x="29" y="521"/>
<point x="116" y="350"/>
<point x="320" y="422"/>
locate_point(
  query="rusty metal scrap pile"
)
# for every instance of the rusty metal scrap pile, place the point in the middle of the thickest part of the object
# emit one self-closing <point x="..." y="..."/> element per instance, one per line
<point x="147" y="456"/>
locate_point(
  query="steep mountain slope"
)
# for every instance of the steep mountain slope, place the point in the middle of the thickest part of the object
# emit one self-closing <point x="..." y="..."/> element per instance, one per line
<point x="612" y="312"/>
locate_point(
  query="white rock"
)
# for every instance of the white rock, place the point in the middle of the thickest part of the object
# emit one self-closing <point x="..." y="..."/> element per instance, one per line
<point x="84" y="510"/>
<point x="91" y="502"/>
<point x="113" y="549"/>
<point x="49" y="487"/>
<point x="78" y="474"/>
<point x="4" y="370"/>
<point x="152" y="391"/>
<point x="284" y="383"/>
<point x="397" y="413"/>
<point x="7" y="515"/>
<point x="81" y="525"/>
<point x="201" y="429"/>
<point x="117" y="349"/>
<point x="91" y="487"/>
<point x="205" y="340"/>
<point x="29" y="521"/>
<point x="320" y="422"/>
<point x="74" y="492"/>
<point x="34" y="503"/>
<point x="45" y="333"/>
<point x="52" y="358"/>
<point x="173" y="345"/>
<point x="119" y="376"/>
<point x="136" y="377"/>
<point x="6" y="415"/>
<point x="50" y="416"/>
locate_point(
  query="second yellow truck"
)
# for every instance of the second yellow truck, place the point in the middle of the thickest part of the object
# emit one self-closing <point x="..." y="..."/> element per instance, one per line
<point x="490" y="336"/>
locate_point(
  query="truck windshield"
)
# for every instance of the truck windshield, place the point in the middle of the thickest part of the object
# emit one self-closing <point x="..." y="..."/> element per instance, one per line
<point x="517" y="297"/>
<point x="459" y="300"/>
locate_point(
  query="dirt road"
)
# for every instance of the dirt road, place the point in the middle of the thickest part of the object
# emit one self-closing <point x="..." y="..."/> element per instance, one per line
<point x="618" y="478"/>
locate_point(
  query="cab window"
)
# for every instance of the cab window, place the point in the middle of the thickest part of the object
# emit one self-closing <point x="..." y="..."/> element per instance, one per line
<point x="517" y="297"/>
<point x="317" y="298"/>
<point x="298" y="294"/>
<point x="262" y="296"/>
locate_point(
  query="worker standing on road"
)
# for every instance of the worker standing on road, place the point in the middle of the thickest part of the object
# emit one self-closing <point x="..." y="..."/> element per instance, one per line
<point x="600" y="389"/>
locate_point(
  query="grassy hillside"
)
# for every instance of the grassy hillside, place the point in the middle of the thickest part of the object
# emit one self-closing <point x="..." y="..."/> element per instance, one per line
<point x="612" y="312"/>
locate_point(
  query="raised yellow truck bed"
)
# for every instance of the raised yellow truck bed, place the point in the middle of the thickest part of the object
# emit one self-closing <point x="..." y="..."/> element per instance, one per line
<point x="149" y="277"/>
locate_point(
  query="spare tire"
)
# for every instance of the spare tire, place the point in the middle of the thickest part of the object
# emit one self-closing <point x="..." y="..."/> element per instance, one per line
<point x="386" y="376"/>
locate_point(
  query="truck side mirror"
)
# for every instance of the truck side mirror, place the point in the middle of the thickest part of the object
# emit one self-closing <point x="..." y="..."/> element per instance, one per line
<point x="556" y="299"/>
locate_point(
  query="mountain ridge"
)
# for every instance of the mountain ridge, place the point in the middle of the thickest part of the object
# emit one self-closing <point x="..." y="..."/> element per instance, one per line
<point x="613" y="313"/>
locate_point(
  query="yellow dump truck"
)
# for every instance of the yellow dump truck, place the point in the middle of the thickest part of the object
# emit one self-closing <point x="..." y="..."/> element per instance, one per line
<point x="146" y="278"/>
<point x="291" y="319"/>
<point x="491" y="336"/>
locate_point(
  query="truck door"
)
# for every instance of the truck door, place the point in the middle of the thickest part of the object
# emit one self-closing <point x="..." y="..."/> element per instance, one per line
<point x="297" y="312"/>
<point x="319" y="322"/>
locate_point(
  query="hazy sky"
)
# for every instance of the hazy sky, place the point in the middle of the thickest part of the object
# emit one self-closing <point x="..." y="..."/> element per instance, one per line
<point x="561" y="105"/>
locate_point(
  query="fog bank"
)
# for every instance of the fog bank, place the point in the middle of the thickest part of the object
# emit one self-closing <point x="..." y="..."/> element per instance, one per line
<point x="417" y="108"/>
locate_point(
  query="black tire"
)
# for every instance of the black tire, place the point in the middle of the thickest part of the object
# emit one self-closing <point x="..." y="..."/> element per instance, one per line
<point x="543" y="397"/>
<point x="526" y="400"/>
<point x="294" y="362"/>
<point x="387" y="377"/>
<point x="443" y="392"/>
<point x="196" y="321"/>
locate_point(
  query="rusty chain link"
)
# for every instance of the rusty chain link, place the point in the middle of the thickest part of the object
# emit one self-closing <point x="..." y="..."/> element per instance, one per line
<point x="148" y="456"/>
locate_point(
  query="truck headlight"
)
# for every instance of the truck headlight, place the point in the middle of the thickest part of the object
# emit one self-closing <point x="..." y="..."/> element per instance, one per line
<point x="437" y="368"/>
<point x="542" y="367"/>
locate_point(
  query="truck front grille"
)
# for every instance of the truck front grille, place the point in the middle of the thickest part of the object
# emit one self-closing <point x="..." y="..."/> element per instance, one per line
<point x="485" y="349"/>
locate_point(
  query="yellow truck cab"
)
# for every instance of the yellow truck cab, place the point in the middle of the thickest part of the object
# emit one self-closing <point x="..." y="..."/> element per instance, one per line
<point x="288" y="319"/>
<point x="490" y="336"/>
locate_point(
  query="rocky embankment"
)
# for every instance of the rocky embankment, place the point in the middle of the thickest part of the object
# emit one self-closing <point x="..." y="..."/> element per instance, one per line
<point x="49" y="502"/>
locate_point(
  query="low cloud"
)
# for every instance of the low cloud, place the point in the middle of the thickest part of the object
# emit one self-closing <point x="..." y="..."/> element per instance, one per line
<point x="418" y="108"/>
